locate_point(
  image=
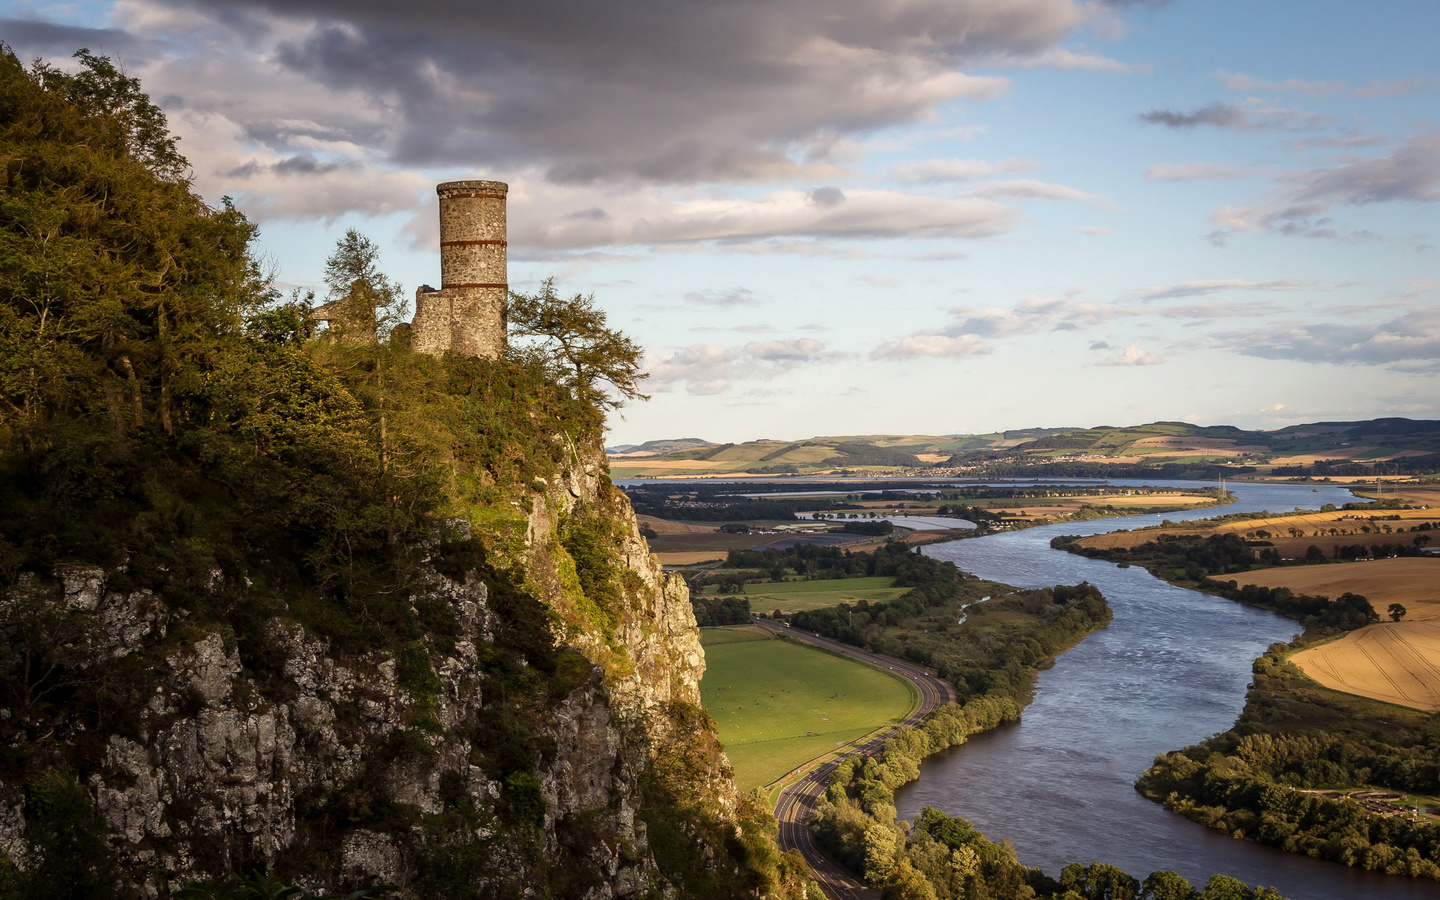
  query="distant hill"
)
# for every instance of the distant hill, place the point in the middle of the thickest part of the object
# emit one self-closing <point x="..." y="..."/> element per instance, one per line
<point x="650" y="447"/>
<point x="1176" y="449"/>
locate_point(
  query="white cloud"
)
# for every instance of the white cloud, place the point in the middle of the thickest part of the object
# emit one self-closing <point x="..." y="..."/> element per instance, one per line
<point x="969" y="331"/>
<point x="724" y="298"/>
<point x="1410" y="342"/>
<point x="1196" y="172"/>
<point x="1065" y="59"/>
<point x="937" y="171"/>
<point x="1132" y="355"/>
<point x="1029" y="189"/>
<point x="1301" y="202"/>
<point x="660" y="217"/>
<point x="1215" y="286"/>
<point x="712" y="369"/>
<point x="931" y="345"/>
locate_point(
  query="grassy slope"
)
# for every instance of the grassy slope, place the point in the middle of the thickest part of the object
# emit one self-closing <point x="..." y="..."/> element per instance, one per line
<point x="778" y="704"/>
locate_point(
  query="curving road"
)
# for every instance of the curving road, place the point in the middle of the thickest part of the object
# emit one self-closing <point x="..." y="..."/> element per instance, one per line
<point x="797" y="801"/>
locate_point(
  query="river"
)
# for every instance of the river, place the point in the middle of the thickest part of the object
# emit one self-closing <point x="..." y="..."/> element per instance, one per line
<point x="1169" y="671"/>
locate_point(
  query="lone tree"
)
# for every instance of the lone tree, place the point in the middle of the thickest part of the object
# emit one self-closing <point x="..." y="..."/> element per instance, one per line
<point x="570" y="340"/>
<point x="1397" y="612"/>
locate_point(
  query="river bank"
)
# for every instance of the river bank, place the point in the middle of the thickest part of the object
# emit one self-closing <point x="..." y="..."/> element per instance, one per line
<point x="1171" y="669"/>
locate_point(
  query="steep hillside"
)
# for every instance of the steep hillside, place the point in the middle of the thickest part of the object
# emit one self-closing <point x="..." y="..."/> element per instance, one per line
<point x="339" y="612"/>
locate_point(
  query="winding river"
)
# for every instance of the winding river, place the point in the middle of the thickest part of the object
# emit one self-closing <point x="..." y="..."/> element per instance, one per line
<point x="1169" y="671"/>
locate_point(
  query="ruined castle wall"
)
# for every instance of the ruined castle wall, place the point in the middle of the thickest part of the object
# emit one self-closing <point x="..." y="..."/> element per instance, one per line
<point x="430" y="331"/>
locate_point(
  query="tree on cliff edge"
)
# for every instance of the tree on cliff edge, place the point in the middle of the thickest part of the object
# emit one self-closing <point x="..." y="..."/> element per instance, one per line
<point x="570" y="339"/>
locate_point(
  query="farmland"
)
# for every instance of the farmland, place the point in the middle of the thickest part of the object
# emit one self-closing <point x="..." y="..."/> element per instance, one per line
<point x="794" y="596"/>
<point x="1292" y="535"/>
<point x="1391" y="661"/>
<point x="777" y="704"/>
<point x="683" y="522"/>
<point x="1319" y="450"/>
<point x="1411" y="581"/>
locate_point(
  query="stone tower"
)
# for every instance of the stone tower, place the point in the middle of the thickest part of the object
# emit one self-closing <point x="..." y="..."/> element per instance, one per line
<point x="467" y="315"/>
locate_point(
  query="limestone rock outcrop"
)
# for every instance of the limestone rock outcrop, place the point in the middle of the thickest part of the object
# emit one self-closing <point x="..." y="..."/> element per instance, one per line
<point x="245" y="761"/>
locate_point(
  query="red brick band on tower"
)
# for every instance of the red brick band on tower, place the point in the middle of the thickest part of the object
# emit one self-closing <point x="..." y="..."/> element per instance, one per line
<point x="467" y="315"/>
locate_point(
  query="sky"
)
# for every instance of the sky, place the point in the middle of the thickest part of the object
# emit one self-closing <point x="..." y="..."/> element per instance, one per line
<point x="829" y="217"/>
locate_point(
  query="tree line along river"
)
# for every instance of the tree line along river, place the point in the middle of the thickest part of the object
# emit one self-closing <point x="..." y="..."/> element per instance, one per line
<point x="1170" y="670"/>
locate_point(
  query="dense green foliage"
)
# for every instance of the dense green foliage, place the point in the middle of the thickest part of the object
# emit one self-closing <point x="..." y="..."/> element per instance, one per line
<point x="830" y="561"/>
<point x="883" y="527"/>
<point x="1279" y="775"/>
<point x="995" y="650"/>
<point x="711" y="611"/>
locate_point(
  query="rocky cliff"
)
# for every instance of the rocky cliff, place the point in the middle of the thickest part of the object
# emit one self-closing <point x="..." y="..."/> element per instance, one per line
<point x="472" y="760"/>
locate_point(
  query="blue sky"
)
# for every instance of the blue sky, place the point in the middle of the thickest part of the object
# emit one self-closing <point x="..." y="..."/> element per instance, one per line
<point x="863" y="216"/>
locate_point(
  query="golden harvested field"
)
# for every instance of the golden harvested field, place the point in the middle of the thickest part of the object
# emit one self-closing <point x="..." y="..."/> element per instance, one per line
<point x="1394" y="662"/>
<point x="1411" y="581"/>
<point x="1426" y="495"/>
<point x="1128" y="539"/>
<point x="1153" y="500"/>
<point x="630" y="468"/>
<point x="666" y="526"/>
<point x="687" y="557"/>
<point x="1348" y="524"/>
<point x="1309" y="459"/>
<point x="1199" y="445"/>
<point x="1398" y="662"/>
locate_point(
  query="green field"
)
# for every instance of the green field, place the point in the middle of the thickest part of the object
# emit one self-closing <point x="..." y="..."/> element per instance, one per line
<point x="794" y="596"/>
<point x="777" y="704"/>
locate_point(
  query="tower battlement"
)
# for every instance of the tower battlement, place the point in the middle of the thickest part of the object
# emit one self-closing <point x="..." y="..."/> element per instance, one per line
<point x="467" y="314"/>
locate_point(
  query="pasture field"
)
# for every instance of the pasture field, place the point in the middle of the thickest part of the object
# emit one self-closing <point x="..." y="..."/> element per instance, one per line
<point x="795" y="596"/>
<point x="777" y="704"/>
<point x="733" y="634"/>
